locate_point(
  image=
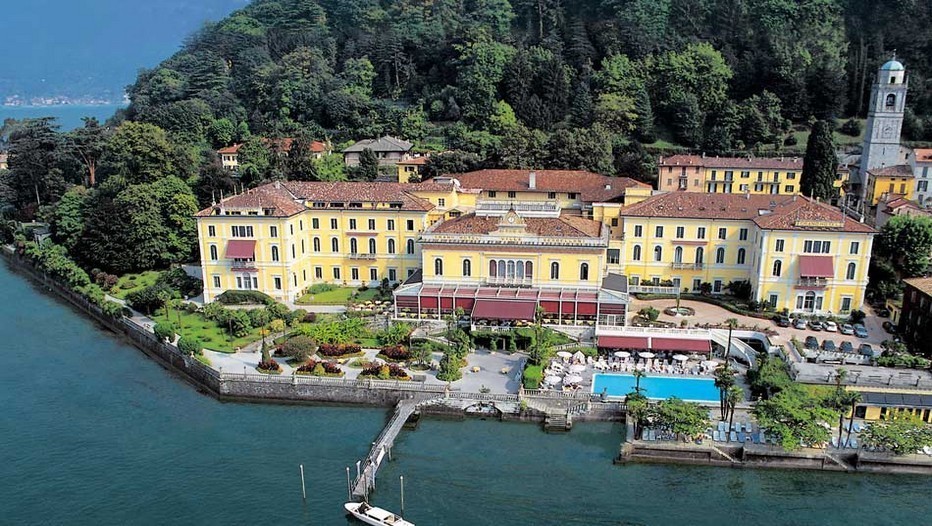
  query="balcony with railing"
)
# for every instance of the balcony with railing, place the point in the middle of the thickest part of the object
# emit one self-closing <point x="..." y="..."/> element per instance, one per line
<point x="509" y="281"/>
<point x="243" y="265"/>
<point x="361" y="256"/>
<point x="523" y="208"/>
<point x="812" y="283"/>
<point x="686" y="266"/>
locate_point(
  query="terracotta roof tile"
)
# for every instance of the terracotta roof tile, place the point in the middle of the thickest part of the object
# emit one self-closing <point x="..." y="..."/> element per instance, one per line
<point x="563" y="226"/>
<point x="900" y="170"/>
<point x="234" y="149"/>
<point x="365" y="192"/>
<point x="771" y="163"/>
<point x="592" y="187"/>
<point x="923" y="284"/>
<point x="770" y="212"/>
<point x="271" y="197"/>
<point x="923" y="155"/>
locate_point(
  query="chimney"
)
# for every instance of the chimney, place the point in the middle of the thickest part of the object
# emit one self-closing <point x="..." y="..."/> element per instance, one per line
<point x="747" y="195"/>
<point x="278" y="185"/>
<point x="703" y="155"/>
<point x="608" y="186"/>
<point x="532" y="180"/>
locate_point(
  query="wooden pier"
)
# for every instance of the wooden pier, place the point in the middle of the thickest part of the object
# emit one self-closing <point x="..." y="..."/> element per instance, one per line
<point x="368" y="469"/>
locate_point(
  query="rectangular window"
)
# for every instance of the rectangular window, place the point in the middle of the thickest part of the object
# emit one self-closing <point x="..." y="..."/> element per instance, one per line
<point x="923" y="186"/>
<point x="512" y="195"/>
<point x="301" y="225"/>
<point x="614" y="221"/>
<point x="717" y="286"/>
<point x="845" y="304"/>
<point x="614" y="256"/>
<point x="789" y="189"/>
<point x="571" y="195"/>
<point x="658" y="232"/>
<point x="336" y="272"/>
<point x="354" y="274"/>
<point x="791" y="175"/>
<point x="714" y="173"/>
<point x="372" y="224"/>
<point x="211" y="231"/>
<point x="745" y="175"/>
<point x="638" y="231"/>
<point x="700" y="233"/>
<point x="278" y="283"/>
<point x="697" y="284"/>
<point x="680" y="232"/>
<point x="773" y="301"/>
<point x="390" y="224"/>
<point x="743" y="234"/>
<point x="319" y="272"/>
<point x="352" y="224"/>
<point x="273" y="231"/>
<point x="855" y="247"/>
<point x="216" y="282"/>
<point x="392" y="274"/>
<point x="315" y="223"/>
<point x="373" y="274"/>
<point x="492" y="194"/>
<point x="442" y="203"/>
<point x="410" y="224"/>
<point x="552" y="195"/>
<point x="241" y="231"/>
<point x="779" y="247"/>
<point x="722" y="233"/>
<point x="333" y="223"/>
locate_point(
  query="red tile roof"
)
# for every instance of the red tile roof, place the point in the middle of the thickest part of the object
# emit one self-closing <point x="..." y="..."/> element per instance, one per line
<point x="272" y="196"/>
<point x="591" y="187"/>
<point x="230" y="149"/>
<point x="769" y="212"/>
<point x="922" y="284"/>
<point x="563" y="226"/>
<point x="900" y="170"/>
<point x="923" y="155"/>
<point x="283" y="145"/>
<point x="760" y="163"/>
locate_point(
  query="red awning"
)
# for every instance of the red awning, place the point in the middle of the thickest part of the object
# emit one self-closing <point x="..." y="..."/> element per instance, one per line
<point x="241" y="249"/>
<point x="587" y="309"/>
<point x="623" y="342"/>
<point x="816" y="266"/>
<point x="504" y="310"/>
<point x="680" y="345"/>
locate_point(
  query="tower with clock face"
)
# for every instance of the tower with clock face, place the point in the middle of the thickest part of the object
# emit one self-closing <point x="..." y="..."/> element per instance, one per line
<point x="885" y="119"/>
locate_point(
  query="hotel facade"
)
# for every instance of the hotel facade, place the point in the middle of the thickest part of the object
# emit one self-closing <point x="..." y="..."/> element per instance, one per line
<point x="573" y="243"/>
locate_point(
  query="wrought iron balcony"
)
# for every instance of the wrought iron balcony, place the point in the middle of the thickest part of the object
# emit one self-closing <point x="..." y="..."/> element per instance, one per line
<point x="362" y="256"/>
<point x="812" y="283"/>
<point x="686" y="266"/>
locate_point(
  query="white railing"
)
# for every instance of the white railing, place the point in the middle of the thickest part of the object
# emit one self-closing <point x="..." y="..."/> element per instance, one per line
<point x="671" y="332"/>
<point x="652" y="289"/>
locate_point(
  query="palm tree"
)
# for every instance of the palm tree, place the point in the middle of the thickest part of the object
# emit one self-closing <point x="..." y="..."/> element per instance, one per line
<point x="852" y="398"/>
<point x="732" y="324"/>
<point x="840" y="401"/>
<point x="724" y="380"/>
<point x="733" y="395"/>
<point x="638" y="374"/>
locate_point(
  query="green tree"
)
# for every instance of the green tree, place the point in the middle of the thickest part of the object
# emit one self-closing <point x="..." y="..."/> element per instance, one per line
<point x="906" y="240"/>
<point x="221" y="133"/>
<point x="724" y="381"/>
<point x="330" y="167"/>
<point x="481" y="66"/>
<point x="299" y="348"/>
<point x="86" y="144"/>
<point x="820" y="163"/>
<point x="36" y="154"/>
<point x="902" y="434"/>
<point x="67" y="219"/>
<point x="368" y="165"/>
<point x="542" y="340"/>
<point x="795" y="418"/>
<point x="580" y="149"/>
<point x="138" y="153"/>
<point x="685" y="419"/>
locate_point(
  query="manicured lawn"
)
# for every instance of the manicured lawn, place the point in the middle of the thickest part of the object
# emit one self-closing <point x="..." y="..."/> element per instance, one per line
<point x="368" y="343"/>
<point x="211" y="335"/>
<point x="366" y="295"/>
<point x="337" y="296"/>
<point x="132" y="282"/>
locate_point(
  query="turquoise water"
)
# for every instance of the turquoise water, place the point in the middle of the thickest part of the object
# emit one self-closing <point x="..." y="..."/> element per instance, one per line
<point x="94" y="433"/>
<point x="657" y="387"/>
<point x="68" y="117"/>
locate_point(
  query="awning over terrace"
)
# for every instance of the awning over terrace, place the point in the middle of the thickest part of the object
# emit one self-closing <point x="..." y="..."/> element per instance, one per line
<point x="504" y="310"/>
<point x="624" y="342"/>
<point x="241" y="249"/>
<point x="680" y="345"/>
<point x="816" y="267"/>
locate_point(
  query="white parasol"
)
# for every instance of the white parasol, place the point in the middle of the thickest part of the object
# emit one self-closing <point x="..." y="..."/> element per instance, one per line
<point x="622" y="354"/>
<point x="646" y="354"/>
<point x="711" y="364"/>
<point x="565" y="354"/>
<point x="552" y="380"/>
<point x="579" y="356"/>
<point x="572" y="379"/>
<point x="680" y="357"/>
<point x="577" y="368"/>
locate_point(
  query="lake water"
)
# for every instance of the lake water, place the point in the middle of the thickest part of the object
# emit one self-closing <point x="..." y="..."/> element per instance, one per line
<point x="93" y="432"/>
<point x="68" y="117"/>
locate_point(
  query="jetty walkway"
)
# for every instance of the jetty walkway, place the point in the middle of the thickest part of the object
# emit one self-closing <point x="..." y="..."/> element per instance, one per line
<point x="368" y="469"/>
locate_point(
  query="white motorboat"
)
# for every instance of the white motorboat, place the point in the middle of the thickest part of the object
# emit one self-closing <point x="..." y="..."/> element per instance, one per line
<point x="374" y="516"/>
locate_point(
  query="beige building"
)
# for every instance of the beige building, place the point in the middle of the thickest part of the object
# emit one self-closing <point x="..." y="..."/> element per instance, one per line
<point x="729" y="175"/>
<point x="389" y="150"/>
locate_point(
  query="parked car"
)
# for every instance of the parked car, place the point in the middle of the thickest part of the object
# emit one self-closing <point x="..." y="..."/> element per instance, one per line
<point x="846" y="347"/>
<point x="889" y="327"/>
<point x="865" y="349"/>
<point x="846" y="329"/>
<point x="828" y="345"/>
<point x="883" y="313"/>
<point x="783" y="321"/>
<point x="860" y="331"/>
<point x="830" y="326"/>
<point x="816" y="325"/>
<point x="812" y="343"/>
<point x="800" y="323"/>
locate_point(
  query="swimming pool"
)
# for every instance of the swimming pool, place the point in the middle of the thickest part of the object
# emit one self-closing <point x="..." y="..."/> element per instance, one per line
<point x="657" y="387"/>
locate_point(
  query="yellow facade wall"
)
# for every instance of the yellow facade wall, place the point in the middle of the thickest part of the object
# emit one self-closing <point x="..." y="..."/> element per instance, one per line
<point x="730" y="180"/>
<point x="878" y="186"/>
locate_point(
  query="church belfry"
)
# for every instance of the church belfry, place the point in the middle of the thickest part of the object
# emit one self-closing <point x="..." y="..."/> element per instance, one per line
<point x="885" y="118"/>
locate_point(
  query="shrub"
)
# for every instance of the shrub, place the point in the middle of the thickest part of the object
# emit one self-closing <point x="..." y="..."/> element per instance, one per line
<point x="190" y="346"/>
<point x="191" y="307"/>
<point x="449" y="368"/>
<point x="317" y="288"/>
<point x="277" y="325"/>
<point x="790" y="140"/>
<point x="278" y="310"/>
<point x="851" y="127"/>
<point x="398" y="353"/>
<point x="112" y="309"/>
<point x="179" y="280"/>
<point x="245" y="297"/>
<point x="164" y="331"/>
<point x="310" y="317"/>
<point x="294" y="317"/>
<point x="338" y="349"/>
<point x="259" y="317"/>
<point x="149" y="299"/>
<point x="238" y="323"/>
<point x="650" y="313"/>
<point x="384" y="371"/>
<point x="533" y="375"/>
<point x="299" y="347"/>
<point x="270" y="366"/>
<point x="857" y="316"/>
<point x="315" y="368"/>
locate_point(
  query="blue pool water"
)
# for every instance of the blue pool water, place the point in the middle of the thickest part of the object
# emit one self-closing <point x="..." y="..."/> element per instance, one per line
<point x="658" y="387"/>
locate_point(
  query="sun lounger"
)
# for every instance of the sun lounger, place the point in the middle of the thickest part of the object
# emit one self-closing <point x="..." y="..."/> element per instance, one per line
<point x="853" y="444"/>
<point x="733" y="436"/>
<point x="755" y="437"/>
<point x="834" y="442"/>
<point x="763" y="437"/>
<point x="741" y="436"/>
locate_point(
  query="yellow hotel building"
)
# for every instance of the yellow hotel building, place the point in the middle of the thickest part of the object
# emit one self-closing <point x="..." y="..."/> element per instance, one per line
<point x="729" y="175"/>
<point x="569" y="242"/>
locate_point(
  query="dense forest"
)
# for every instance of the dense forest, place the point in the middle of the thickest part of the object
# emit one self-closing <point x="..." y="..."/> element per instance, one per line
<point x="601" y="85"/>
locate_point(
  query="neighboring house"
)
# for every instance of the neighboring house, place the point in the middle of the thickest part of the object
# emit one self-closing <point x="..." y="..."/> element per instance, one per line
<point x="411" y="166"/>
<point x="4" y="161"/>
<point x="729" y="175"/>
<point x="896" y="205"/>
<point x="922" y="162"/>
<point x="389" y="150"/>
<point x="892" y="180"/>
<point x="229" y="156"/>
<point x="916" y="316"/>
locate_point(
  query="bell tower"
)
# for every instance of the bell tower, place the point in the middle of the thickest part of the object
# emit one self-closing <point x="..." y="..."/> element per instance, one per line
<point x="884" y="119"/>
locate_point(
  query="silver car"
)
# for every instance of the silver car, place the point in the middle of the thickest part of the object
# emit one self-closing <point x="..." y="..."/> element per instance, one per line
<point x="846" y="329"/>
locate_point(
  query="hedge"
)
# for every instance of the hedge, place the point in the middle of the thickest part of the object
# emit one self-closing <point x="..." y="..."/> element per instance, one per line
<point x="245" y="297"/>
<point x="533" y="375"/>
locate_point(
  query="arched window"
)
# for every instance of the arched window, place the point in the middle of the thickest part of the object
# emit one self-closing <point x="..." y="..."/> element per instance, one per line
<point x="372" y="245"/>
<point x="584" y="272"/>
<point x="720" y="255"/>
<point x="777" y="268"/>
<point x="501" y="269"/>
<point x="658" y="253"/>
<point x="891" y="100"/>
<point x="493" y="269"/>
<point x="851" y="271"/>
<point x="316" y="243"/>
<point x="353" y="246"/>
<point x="391" y="246"/>
<point x="335" y="245"/>
<point x="467" y="267"/>
<point x="554" y="270"/>
<point x="213" y="252"/>
<point x="742" y="255"/>
<point x="678" y="255"/>
<point x="511" y="270"/>
<point x="809" y="301"/>
<point x="410" y="246"/>
<point x="700" y="255"/>
<point x="528" y="270"/>
<point x="438" y="267"/>
<point x="636" y="253"/>
<point x="274" y="252"/>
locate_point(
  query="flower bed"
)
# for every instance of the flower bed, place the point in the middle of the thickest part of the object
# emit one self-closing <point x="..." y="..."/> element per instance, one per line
<point x="269" y="367"/>
<point x="315" y="368"/>
<point x="339" y="350"/>
<point x="385" y="371"/>
<point x="395" y="353"/>
<point x="684" y="311"/>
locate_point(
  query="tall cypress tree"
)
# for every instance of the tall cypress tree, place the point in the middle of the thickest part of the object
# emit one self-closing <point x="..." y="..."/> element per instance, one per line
<point x="820" y="163"/>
